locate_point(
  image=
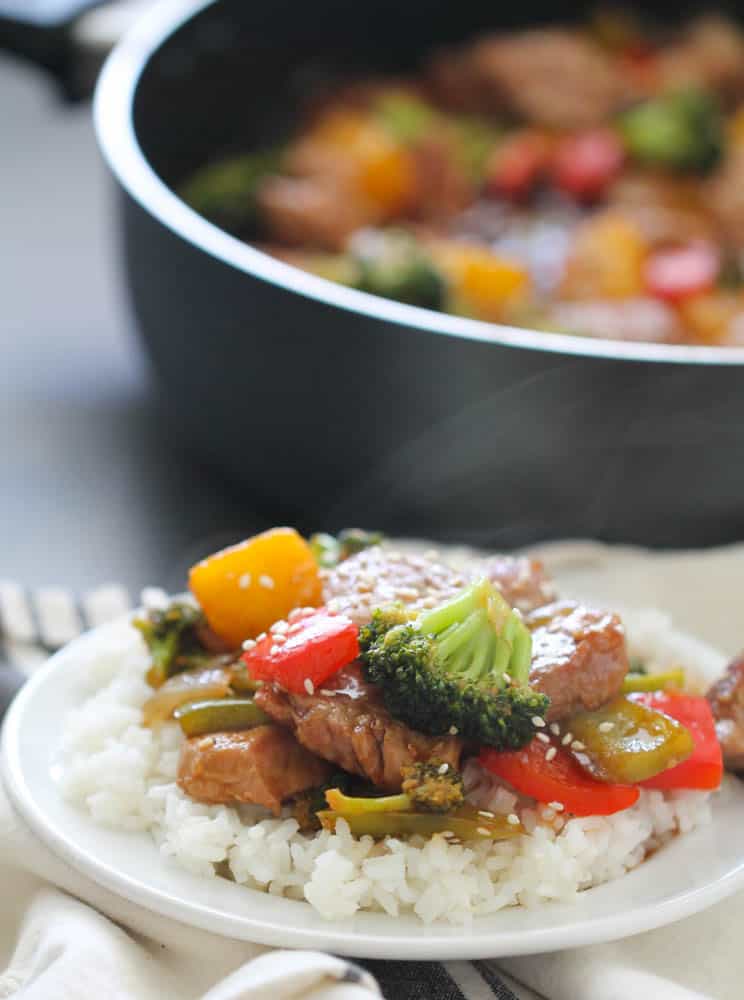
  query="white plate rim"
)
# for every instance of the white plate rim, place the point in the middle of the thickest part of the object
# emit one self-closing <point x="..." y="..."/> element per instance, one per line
<point x="435" y="942"/>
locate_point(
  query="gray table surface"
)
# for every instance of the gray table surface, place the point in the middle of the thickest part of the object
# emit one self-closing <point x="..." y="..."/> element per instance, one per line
<point x="94" y="487"/>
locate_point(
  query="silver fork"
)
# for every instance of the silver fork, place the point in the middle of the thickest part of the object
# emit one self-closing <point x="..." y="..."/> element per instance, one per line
<point x="35" y="623"/>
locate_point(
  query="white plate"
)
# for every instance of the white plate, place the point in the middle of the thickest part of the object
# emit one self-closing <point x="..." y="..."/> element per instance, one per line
<point x="687" y="875"/>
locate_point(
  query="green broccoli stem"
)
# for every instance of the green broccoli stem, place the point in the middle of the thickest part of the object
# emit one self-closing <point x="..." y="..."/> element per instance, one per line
<point x="478" y="626"/>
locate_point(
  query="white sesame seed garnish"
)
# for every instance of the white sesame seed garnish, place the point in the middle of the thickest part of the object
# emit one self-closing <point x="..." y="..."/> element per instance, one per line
<point x="555" y="729"/>
<point x="309" y="686"/>
<point x="549" y="754"/>
<point x="512" y="819"/>
<point x="557" y="806"/>
<point x="486" y="813"/>
<point x="507" y="679"/>
<point x="280" y="637"/>
<point x="244" y="581"/>
<point x="443" y="768"/>
<point x="279" y="627"/>
<point x="567" y="739"/>
<point x="260" y="638"/>
<point x="544" y="737"/>
<point x="294" y="614"/>
<point x="606" y="727"/>
<point x="483" y="831"/>
<point x="274" y="649"/>
<point x="537" y="722"/>
<point x="249" y="644"/>
<point x="577" y="745"/>
<point x="453" y="730"/>
<point x="327" y="692"/>
<point x="266" y="581"/>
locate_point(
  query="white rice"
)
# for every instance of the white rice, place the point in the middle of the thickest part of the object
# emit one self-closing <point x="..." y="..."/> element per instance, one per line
<point x="123" y="775"/>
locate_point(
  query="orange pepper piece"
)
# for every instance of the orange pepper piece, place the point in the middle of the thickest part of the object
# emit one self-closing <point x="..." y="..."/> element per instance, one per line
<point x="244" y="589"/>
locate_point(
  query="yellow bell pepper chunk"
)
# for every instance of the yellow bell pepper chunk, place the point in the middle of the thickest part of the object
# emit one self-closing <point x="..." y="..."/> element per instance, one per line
<point x="246" y="588"/>
<point x="382" y="168"/>
<point x="481" y="283"/>
<point x="606" y="260"/>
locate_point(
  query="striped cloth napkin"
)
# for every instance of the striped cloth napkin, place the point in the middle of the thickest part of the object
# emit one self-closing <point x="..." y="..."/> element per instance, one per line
<point x="32" y="625"/>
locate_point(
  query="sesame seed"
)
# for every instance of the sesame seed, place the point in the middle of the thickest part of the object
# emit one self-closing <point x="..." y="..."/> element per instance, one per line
<point x="512" y="819"/>
<point x="537" y="722"/>
<point x="328" y="693"/>
<point x="453" y="730"/>
<point x="542" y="736"/>
<point x="266" y="581"/>
<point x="555" y="729"/>
<point x="294" y="614"/>
<point x="309" y="686"/>
<point x="606" y="727"/>
<point x="278" y="627"/>
<point x="557" y="806"/>
<point x="249" y="644"/>
<point x="549" y="754"/>
<point x="280" y="637"/>
<point x="260" y="638"/>
<point x="443" y="768"/>
<point x="274" y="649"/>
<point x="577" y="745"/>
<point x="507" y="678"/>
<point x="486" y="813"/>
<point x="483" y="831"/>
<point x="567" y="739"/>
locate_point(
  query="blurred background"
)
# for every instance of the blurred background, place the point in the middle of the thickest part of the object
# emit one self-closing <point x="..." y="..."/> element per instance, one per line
<point x="395" y="419"/>
<point x="96" y="484"/>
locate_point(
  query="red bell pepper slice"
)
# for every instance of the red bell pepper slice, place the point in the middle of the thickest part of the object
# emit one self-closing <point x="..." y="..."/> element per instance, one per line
<point x="682" y="272"/>
<point x="703" y="769"/>
<point x="561" y="779"/>
<point x="517" y="165"/>
<point x="586" y="163"/>
<point x="315" y="645"/>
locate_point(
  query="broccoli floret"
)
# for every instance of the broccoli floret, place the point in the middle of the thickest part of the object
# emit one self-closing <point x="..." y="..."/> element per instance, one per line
<point x="172" y="637"/>
<point x="305" y="806"/>
<point x="433" y="787"/>
<point x="393" y="263"/>
<point x="226" y="192"/>
<point x="405" y="116"/>
<point x="330" y="550"/>
<point x="681" y="130"/>
<point x="461" y="668"/>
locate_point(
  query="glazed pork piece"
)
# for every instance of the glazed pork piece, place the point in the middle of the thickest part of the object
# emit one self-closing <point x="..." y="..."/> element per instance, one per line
<point x="579" y="657"/>
<point x="379" y="576"/>
<point x="264" y="766"/>
<point x="551" y="77"/>
<point x="347" y="723"/>
<point x="726" y="698"/>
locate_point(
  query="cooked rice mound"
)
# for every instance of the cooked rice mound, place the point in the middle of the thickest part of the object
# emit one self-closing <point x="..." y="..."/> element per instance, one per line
<point x="123" y="775"/>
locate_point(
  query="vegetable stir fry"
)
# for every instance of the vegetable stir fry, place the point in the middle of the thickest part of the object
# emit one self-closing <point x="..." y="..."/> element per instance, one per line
<point x="377" y="723"/>
<point x="581" y="179"/>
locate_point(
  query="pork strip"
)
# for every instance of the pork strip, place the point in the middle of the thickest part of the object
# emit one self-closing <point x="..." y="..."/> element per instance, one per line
<point x="346" y="722"/>
<point x="264" y="766"/>
<point x="380" y="576"/>
<point x="726" y="698"/>
<point x="579" y="657"/>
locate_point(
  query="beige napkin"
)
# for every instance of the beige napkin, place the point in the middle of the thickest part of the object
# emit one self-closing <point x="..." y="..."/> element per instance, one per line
<point x="57" y="948"/>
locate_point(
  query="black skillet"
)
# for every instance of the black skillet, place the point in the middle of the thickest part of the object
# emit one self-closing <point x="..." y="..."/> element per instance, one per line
<point x="326" y="406"/>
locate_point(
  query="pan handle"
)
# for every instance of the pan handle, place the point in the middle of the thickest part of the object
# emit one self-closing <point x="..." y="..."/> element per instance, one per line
<point x="51" y="34"/>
